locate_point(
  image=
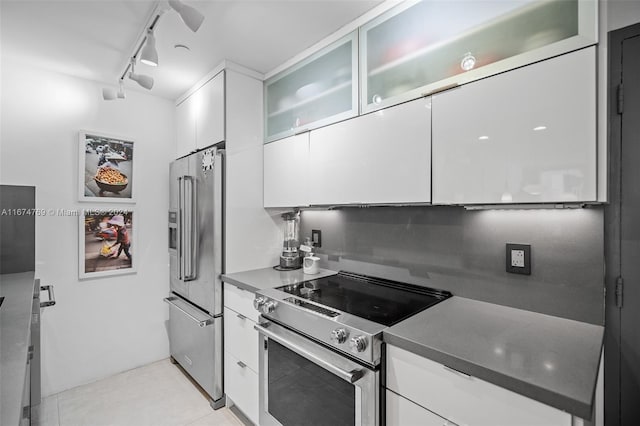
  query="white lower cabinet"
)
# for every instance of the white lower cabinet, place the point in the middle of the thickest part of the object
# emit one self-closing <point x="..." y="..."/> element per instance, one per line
<point x="241" y="385"/>
<point x="402" y="412"/>
<point x="241" y="301"/>
<point x="241" y="351"/>
<point x="379" y="158"/>
<point x="458" y="398"/>
<point x="241" y="339"/>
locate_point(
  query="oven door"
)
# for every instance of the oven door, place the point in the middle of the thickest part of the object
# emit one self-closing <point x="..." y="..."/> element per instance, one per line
<point x="303" y="383"/>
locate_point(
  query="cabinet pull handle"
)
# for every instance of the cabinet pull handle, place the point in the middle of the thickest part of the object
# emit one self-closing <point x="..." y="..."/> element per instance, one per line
<point x="242" y="317"/>
<point x="459" y="373"/>
<point x="241" y="364"/>
<point x="440" y="89"/>
<point x="52" y="298"/>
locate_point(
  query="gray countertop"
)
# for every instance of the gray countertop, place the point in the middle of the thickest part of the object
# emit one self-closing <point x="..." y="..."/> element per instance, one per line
<point x="260" y="279"/>
<point x="15" y="325"/>
<point x="549" y="359"/>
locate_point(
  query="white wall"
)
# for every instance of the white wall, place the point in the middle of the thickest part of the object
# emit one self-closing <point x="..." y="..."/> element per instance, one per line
<point x="99" y="326"/>
<point x="622" y="13"/>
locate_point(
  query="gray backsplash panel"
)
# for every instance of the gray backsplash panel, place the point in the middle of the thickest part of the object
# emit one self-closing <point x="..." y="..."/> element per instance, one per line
<point x="464" y="252"/>
<point x="17" y="229"/>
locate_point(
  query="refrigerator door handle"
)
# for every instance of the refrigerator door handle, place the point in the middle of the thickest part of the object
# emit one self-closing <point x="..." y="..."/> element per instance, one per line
<point x="186" y="232"/>
<point x="180" y="228"/>
<point x="191" y="272"/>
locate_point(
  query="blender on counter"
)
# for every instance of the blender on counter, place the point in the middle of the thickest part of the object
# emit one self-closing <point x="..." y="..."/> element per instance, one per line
<point x="290" y="257"/>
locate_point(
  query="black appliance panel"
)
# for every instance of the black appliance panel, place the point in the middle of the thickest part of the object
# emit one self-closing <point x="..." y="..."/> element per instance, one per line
<point x="382" y="301"/>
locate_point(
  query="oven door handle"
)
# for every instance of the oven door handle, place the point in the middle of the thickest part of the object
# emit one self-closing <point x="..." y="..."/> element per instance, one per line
<point x="349" y="376"/>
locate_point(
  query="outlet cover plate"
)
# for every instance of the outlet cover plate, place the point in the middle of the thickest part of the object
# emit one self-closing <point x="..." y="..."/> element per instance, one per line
<point x="518" y="254"/>
<point x="316" y="237"/>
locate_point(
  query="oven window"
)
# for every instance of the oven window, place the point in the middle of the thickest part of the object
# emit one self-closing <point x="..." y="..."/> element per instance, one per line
<point x="301" y="393"/>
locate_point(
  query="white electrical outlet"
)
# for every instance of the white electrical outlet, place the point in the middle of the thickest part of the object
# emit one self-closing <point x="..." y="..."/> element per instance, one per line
<point x="517" y="258"/>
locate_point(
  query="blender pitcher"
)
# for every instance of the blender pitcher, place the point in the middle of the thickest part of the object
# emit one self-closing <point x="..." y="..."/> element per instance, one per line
<point x="290" y="258"/>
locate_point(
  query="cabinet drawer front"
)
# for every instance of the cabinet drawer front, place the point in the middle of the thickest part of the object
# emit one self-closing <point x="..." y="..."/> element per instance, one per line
<point x="464" y="400"/>
<point x="240" y="338"/>
<point x="241" y="385"/>
<point x="240" y="301"/>
<point x="401" y="411"/>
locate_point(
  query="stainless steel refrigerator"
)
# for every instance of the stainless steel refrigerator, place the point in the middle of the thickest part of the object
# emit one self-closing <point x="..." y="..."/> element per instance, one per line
<point x="196" y="264"/>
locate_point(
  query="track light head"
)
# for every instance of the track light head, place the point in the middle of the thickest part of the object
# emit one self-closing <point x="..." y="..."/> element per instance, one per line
<point x="120" y="94"/>
<point x="190" y="16"/>
<point x="108" y="94"/>
<point x="149" y="54"/>
<point x="143" y="80"/>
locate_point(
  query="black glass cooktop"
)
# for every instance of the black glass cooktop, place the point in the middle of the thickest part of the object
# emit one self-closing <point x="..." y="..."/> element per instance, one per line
<point x="382" y="301"/>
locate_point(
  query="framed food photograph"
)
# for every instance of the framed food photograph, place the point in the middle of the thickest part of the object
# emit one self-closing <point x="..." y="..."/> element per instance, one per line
<point x="105" y="168"/>
<point x="106" y="242"/>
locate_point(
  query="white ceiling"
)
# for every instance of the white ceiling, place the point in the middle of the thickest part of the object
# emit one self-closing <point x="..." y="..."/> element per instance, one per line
<point x="93" y="39"/>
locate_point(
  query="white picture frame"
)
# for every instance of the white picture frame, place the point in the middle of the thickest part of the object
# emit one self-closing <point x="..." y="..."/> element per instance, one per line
<point x="99" y="228"/>
<point x="106" y="172"/>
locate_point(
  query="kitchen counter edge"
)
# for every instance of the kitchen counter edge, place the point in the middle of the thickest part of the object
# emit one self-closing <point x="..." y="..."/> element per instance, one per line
<point x="260" y="279"/>
<point x="405" y="335"/>
<point x="15" y="328"/>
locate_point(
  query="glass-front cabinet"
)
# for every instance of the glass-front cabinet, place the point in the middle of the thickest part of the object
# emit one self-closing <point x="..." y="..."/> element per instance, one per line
<point x="420" y="47"/>
<point x="317" y="91"/>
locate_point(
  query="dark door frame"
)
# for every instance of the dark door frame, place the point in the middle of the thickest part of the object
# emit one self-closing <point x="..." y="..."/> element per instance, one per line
<point x="612" y="397"/>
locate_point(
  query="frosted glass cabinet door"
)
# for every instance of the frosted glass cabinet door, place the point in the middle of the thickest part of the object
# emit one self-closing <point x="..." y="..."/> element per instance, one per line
<point x="524" y="136"/>
<point x="319" y="90"/>
<point x="418" y="47"/>
<point x="379" y="158"/>
<point x="286" y="166"/>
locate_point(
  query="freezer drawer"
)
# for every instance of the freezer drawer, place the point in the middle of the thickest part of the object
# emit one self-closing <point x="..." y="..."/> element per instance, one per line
<point x="195" y="341"/>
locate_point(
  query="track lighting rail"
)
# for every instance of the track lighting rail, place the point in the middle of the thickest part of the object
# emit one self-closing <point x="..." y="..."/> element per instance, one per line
<point x="190" y="16"/>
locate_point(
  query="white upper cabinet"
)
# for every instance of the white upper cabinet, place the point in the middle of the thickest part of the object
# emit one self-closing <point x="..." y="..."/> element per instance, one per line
<point x="317" y="91"/>
<point x="419" y="47"/>
<point x="185" y="128"/>
<point x="210" y="120"/>
<point x="200" y="118"/>
<point x="524" y="136"/>
<point x="286" y="168"/>
<point x="378" y="158"/>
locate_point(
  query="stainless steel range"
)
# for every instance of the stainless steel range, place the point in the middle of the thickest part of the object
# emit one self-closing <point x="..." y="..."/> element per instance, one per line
<point x="321" y="344"/>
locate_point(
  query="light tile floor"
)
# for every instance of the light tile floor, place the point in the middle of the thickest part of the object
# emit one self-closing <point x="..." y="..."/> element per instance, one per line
<point x="157" y="394"/>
